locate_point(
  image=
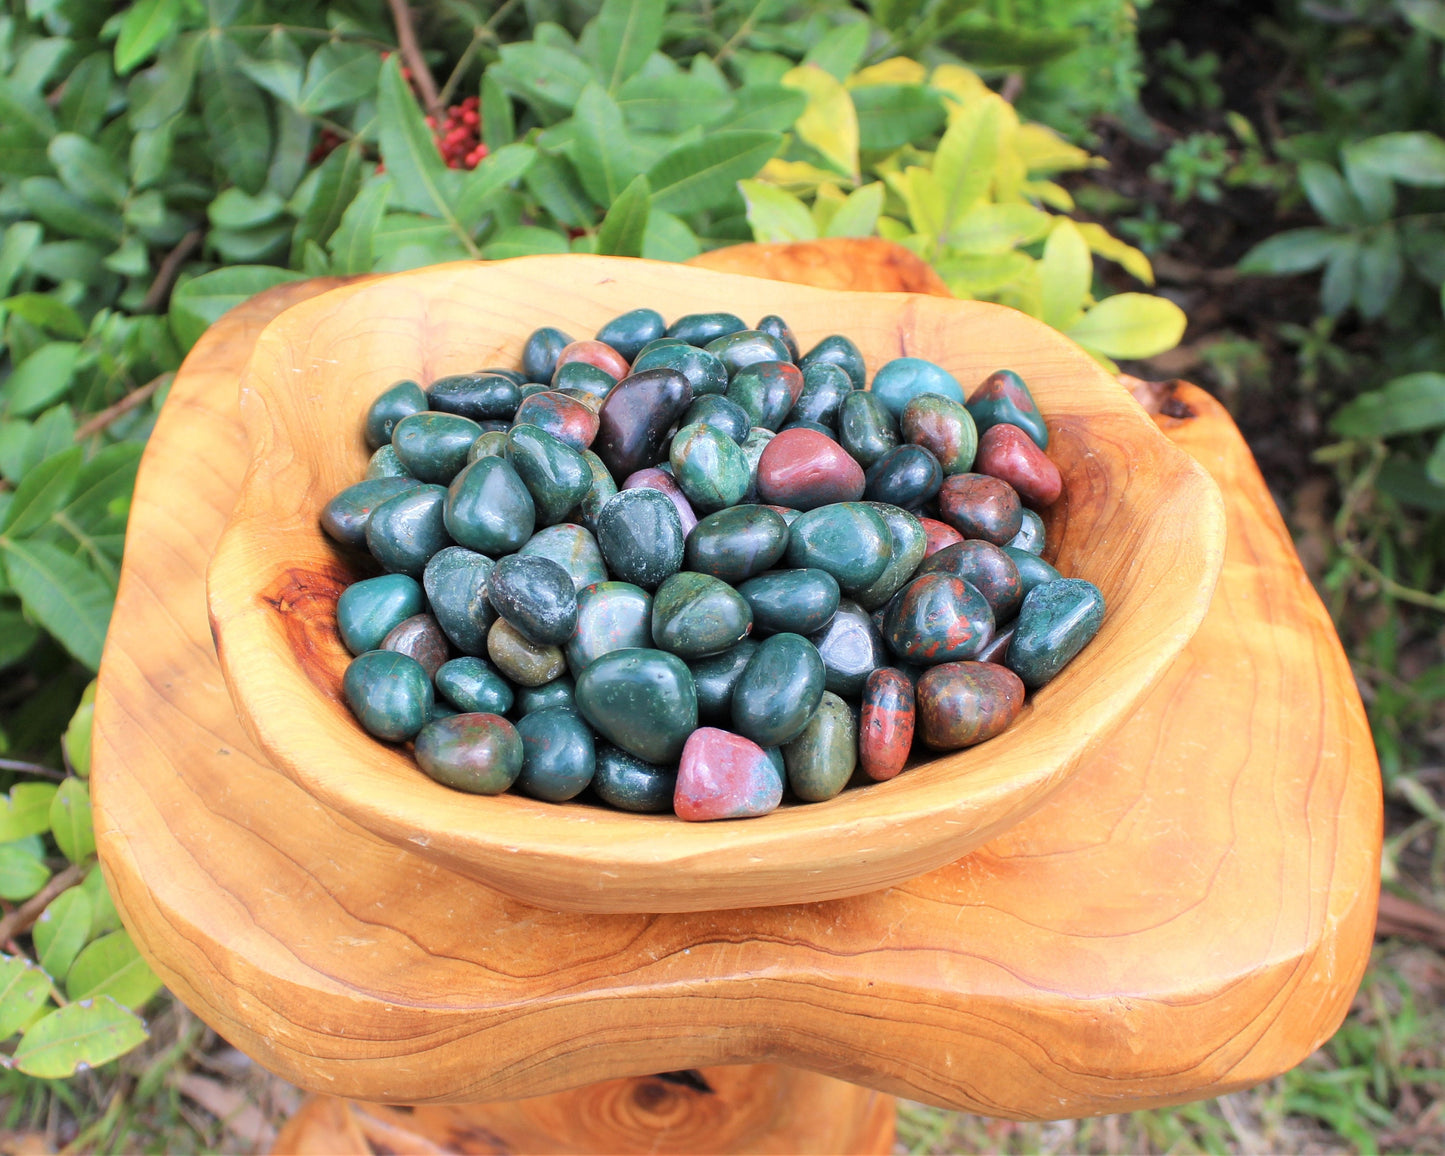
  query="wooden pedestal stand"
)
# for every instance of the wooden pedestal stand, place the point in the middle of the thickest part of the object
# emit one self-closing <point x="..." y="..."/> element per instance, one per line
<point x="1190" y="915"/>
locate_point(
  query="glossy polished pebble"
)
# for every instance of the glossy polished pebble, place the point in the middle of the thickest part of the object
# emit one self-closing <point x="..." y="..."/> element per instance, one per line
<point x="433" y="446"/>
<point x="901" y="380"/>
<point x="441" y="709"/>
<point x="525" y="662"/>
<point x="581" y="378"/>
<point x="709" y="468"/>
<point x="885" y="724"/>
<point x="937" y="618"/>
<point x="659" y="479"/>
<point x="715" y="678"/>
<point x="940" y="535"/>
<point x="826" y="431"/>
<point x="1056" y="621"/>
<point x="779" y="690"/>
<point x="624" y="781"/>
<point x="777" y="327"/>
<point x="998" y="645"/>
<point x="634" y="421"/>
<point x="803" y="469"/>
<point x="851" y="647"/>
<point x="767" y="391"/>
<point x="695" y="615"/>
<point x="849" y="540"/>
<point x="477" y="753"/>
<point x="514" y="375"/>
<point x="398" y="401"/>
<point x="825" y="386"/>
<point x="479" y="396"/>
<point x="560" y="692"/>
<point x="492" y="444"/>
<point x="663" y="342"/>
<point x="389" y="693"/>
<point x="345" y="516"/>
<point x="985" y="567"/>
<point x="472" y="685"/>
<point x="573" y="548"/>
<point x="736" y="543"/>
<point x="907" y="477"/>
<point x="1003" y="397"/>
<point x="747" y="347"/>
<point x="610" y="616"/>
<point x="630" y="331"/>
<point x="536" y="596"/>
<point x="753" y="446"/>
<point x="559" y="757"/>
<point x="534" y="387"/>
<point x="1033" y="570"/>
<point x="489" y="508"/>
<point x="701" y="328"/>
<point x="725" y="776"/>
<point x="405" y="531"/>
<point x="1030" y="537"/>
<point x="796" y="601"/>
<point x="1008" y="453"/>
<point x="593" y="401"/>
<point x="385" y="464"/>
<point x="563" y="417"/>
<point x="978" y="506"/>
<point x="906" y="545"/>
<point x="821" y="760"/>
<point x="841" y="352"/>
<point x="943" y="427"/>
<point x="641" y="700"/>
<point x="640" y="535"/>
<point x="961" y="704"/>
<point x="419" y="637"/>
<point x="866" y="429"/>
<point x="539" y="354"/>
<point x="369" y="610"/>
<point x="455" y="581"/>
<point x="714" y="410"/>
<point x="603" y="488"/>
<point x="553" y="472"/>
<point x="595" y="353"/>
<point x="704" y="372"/>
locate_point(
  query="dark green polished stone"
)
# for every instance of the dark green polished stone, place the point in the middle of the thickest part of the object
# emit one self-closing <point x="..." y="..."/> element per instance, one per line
<point x="345" y="516"/>
<point x="847" y="539"/>
<point x="624" y="781"/>
<point x="866" y="429"/>
<point x="704" y="372"/>
<point x="389" y="694"/>
<point x="489" y="509"/>
<point x="405" y="531"/>
<point x="479" y="396"/>
<point x="709" y="467"/>
<point x="986" y="568"/>
<point x="1004" y="399"/>
<point x="401" y="400"/>
<point x="796" y="601"/>
<point x="536" y="596"/>
<point x="1033" y="570"/>
<point x="907" y="476"/>
<point x="640" y="535"/>
<point x="433" y="446"/>
<point x="715" y="410"/>
<point x="1030" y="537"/>
<point x="472" y="684"/>
<point x="602" y="490"/>
<point x="477" y="753"/>
<point x="779" y="690"/>
<point x="695" y="615"/>
<point x="825" y="387"/>
<point x="1056" y="621"/>
<point x="641" y="700"/>
<point x="368" y="610"/>
<point x="767" y="391"/>
<point x="937" y="618"/>
<point x="747" y="347"/>
<point x="560" y="692"/>
<point x="629" y="332"/>
<point x="610" y="616"/>
<point x="555" y="474"/>
<point x="908" y="541"/>
<point x="821" y="759"/>
<point x="573" y="548"/>
<point x="736" y="543"/>
<point x="455" y="580"/>
<point x="580" y="375"/>
<point x="558" y="755"/>
<point x="539" y="354"/>
<point x="777" y="327"/>
<point x="385" y="464"/>
<point x="701" y="328"/>
<point x="841" y="352"/>
<point x="492" y="444"/>
<point x="851" y="648"/>
<point x="753" y="446"/>
<point x="715" y="677"/>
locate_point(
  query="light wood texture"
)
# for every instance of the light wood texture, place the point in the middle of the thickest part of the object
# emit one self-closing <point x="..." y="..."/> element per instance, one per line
<point x="758" y="1108"/>
<point x="1189" y="915"/>
<point x="1138" y="518"/>
<point x="837" y="263"/>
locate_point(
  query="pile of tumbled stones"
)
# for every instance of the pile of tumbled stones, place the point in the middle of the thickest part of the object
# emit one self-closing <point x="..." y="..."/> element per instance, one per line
<point x="668" y="526"/>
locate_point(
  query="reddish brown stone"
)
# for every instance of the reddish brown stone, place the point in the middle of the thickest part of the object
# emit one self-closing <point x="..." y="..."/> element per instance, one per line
<point x="1007" y="452"/>
<point x="421" y="638"/>
<point x="885" y="728"/>
<point x="804" y="469"/>
<point x="980" y="506"/>
<point x="596" y="353"/>
<point x="565" y="418"/>
<point x="653" y="478"/>
<point x="964" y="703"/>
<point x="939" y="535"/>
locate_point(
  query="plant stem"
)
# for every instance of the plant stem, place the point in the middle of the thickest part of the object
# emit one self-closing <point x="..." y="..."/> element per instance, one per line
<point x="134" y="398"/>
<point x="159" y="292"/>
<point x="411" y="53"/>
<point x="743" y="30"/>
<point x="32" y="769"/>
<point x="23" y="918"/>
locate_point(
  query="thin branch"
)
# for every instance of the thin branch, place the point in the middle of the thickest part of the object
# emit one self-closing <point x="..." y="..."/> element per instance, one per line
<point x="25" y="768"/>
<point x="449" y="89"/>
<point x="134" y="398"/>
<point x="744" y="30"/>
<point x="411" y="53"/>
<point x="1013" y="85"/>
<point x="23" y="918"/>
<point x="160" y="291"/>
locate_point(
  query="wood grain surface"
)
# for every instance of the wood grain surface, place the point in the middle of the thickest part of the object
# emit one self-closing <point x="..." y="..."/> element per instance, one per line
<point x="1139" y="518"/>
<point x="1190" y="914"/>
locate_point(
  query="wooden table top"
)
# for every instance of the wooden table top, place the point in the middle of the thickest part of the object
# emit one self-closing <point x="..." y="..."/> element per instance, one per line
<point x="1190" y="915"/>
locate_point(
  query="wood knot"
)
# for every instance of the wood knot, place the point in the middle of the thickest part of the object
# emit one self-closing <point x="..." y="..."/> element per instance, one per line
<point x="306" y="602"/>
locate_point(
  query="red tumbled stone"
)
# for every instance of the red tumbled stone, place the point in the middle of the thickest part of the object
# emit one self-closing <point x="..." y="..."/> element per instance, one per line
<point x="938" y="536"/>
<point x="565" y="418"/>
<point x="981" y="506"/>
<point x="885" y="727"/>
<point x="1007" y="452"/>
<point x="660" y="480"/>
<point x="963" y="703"/>
<point x="804" y="469"/>
<point x="725" y="776"/>
<point x="597" y="353"/>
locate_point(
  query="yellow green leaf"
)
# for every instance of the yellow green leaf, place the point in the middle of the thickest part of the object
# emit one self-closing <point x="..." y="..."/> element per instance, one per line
<point x="826" y="203"/>
<point x="1048" y="193"/>
<point x="996" y="228"/>
<point x="1065" y="275"/>
<point x="981" y="277"/>
<point x="858" y="215"/>
<point x="1130" y="325"/>
<point x="1112" y="249"/>
<point x="963" y="84"/>
<point x="1045" y="151"/>
<point x="795" y="176"/>
<point x="966" y="161"/>
<point x="895" y="70"/>
<point x="775" y="214"/>
<point x="893" y="230"/>
<point x="923" y="196"/>
<point x="829" y="122"/>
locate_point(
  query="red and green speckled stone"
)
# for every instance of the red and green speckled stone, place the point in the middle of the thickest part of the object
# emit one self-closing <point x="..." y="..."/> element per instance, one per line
<point x="937" y="618"/>
<point x="885" y="725"/>
<point x="1003" y="397"/>
<point x="477" y="753"/>
<point x="723" y="775"/>
<point x="563" y="417"/>
<point x="803" y="469"/>
<point x="978" y="506"/>
<point x="961" y="704"/>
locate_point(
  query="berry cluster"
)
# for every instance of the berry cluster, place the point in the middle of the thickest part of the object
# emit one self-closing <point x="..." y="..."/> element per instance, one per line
<point x="458" y="136"/>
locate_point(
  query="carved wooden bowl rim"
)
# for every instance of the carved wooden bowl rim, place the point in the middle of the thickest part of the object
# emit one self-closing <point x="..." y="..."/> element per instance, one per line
<point x="1138" y="517"/>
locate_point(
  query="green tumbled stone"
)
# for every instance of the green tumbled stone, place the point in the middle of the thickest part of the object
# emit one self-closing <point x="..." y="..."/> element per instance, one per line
<point x="841" y="352"/>
<point x="555" y="474"/>
<point x="777" y="327"/>
<point x="581" y="375"/>
<point x="630" y="332"/>
<point x="641" y="700"/>
<point x="344" y="518"/>
<point x="369" y="610"/>
<point x="479" y="396"/>
<point x="472" y="685"/>
<point x="477" y="753"/>
<point x="901" y="380"/>
<point x="767" y="391"/>
<point x="779" y="690"/>
<point x="441" y="709"/>
<point x="536" y="596"/>
<point x="455" y="581"/>
<point x="489" y="509"/>
<point x="610" y="616"/>
<point x="405" y="531"/>
<point x="540" y="353"/>
<point x="401" y="400"/>
<point x="848" y="539"/>
<point x="525" y="662"/>
<point x="560" y="692"/>
<point x="736" y="543"/>
<point x="389" y="694"/>
<point x="602" y="490"/>
<point x="695" y="615"/>
<point x="908" y="542"/>
<point x="704" y="372"/>
<point x="1030" y="537"/>
<point x="640" y="534"/>
<point x="1004" y="399"/>
<point x="385" y="464"/>
<point x="826" y="386"/>
<point x="709" y="467"/>
<point x="492" y="444"/>
<point x="753" y="446"/>
<point x="799" y="601"/>
<point x="715" y="677"/>
<point x="938" y="618"/>
<point x="572" y="548"/>
<point x="559" y="757"/>
<point x="433" y="446"/>
<point x="747" y="347"/>
<point x="821" y="759"/>
<point x="701" y="328"/>
<point x="713" y="410"/>
<point x="1055" y="622"/>
<point x="1033" y="570"/>
<point x="624" y="781"/>
<point x="865" y="428"/>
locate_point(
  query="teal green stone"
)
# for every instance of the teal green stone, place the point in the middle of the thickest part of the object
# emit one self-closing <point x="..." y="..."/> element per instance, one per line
<point x="559" y="757"/>
<point x="510" y="374"/>
<point x="540" y="353"/>
<point x="753" y="446"/>
<point x="715" y="410"/>
<point x="405" y="531"/>
<point x="1055" y="622"/>
<point x="709" y="467"/>
<point x="715" y="677"/>
<point x="641" y="700"/>
<point x="345" y="516"/>
<point x="532" y="388"/>
<point x="536" y="596"/>
<point x="624" y="781"/>
<point x="851" y="648"/>
<point x="747" y="347"/>
<point x="492" y="444"/>
<point x="479" y="396"/>
<point x="1030" y="537"/>
<point x="938" y="618"/>
<point x="560" y="692"/>
<point x="866" y="429"/>
<point x="704" y="372"/>
<point x="389" y="694"/>
<point x="440" y="709"/>
<point x="775" y="326"/>
<point x="1004" y="399"/>
<point x="826" y="386"/>
<point x="901" y="380"/>
<point x="477" y="753"/>
<point x="908" y="542"/>
<point x="640" y="534"/>
<point x="767" y="391"/>
<point x="631" y="332"/>
<point x="367" y="610"/>
<point x="695" y="615"/>
<point x="848" y="539"/>
<point x="385" y="464"/>
<point x="907" y="476"/>
<point x="556" y="475"/>
<point x="581" y="375"/>
<point x="702" y="328"/>
<point x="489" y="509"/>
<point x="800" y="601"/>
<point x="1033" y="570"/>
<point x="472" y="685"/>
<point x="572" y="548"/>
<point x="841" y="352"/>
<point x="660" y="343"/>
<point x="455" y="580"/>
<point x="402" y="400"/>
<point x="610" y="616"/>
<point x="779" y="690"/>
<point x="821" y="759"/>
<point x="736" y="543"/>
<point x="433" y="446"/>
<point x="602" y="490"/>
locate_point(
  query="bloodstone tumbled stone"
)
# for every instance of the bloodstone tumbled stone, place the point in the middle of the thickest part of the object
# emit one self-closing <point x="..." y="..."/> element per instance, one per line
<point x="901" y="380"/>
<point x="1030" y="537"/>
<point x="695" y="615"/>
<point x="401" y="400"/>
<point x="736" y="543"/>
<point x="937" y="618"/>
<point x="907" y="477"/>
<point x="978" y="506"/>
<point x="477" y="753"/>
<point x="630" y="331"/>
<point x="1003" y="397"/>
<point x="715" y="678"/>
<point x="885" y="725"/>
<point x="841" y="352"/>
<point x="753" y="446"/>
<point x="724" y="776"/>
<point x="559" y="757"/>
<point x="943" y="427"/>
<point x="489" y="508"/>
<point x="709" y="467"/>
<point x="603" y="487"/>
<point x="471" y="684"/>
<point x="433" y="446"/>
<point x="553" y="472"/>
<point x="369" y="610"/>
<point x="525" y="662"/>
<point x="849" y="540"/>
<point x="747" y="347"/>
<point x="455" y="580"/>
<point x="560" y="692"/>
<point x="634" y="421"/>
<point x="821" y="759"/>
<point x="767" y="390"/>
<point x="492" y="444"/>
<point x="825" y="386"/>
<point x="985" y="567"/>
<point x="419" y="637"/>
<point x="1008" y="453"/>
<point x="539" y="354"/>
<point x="1033" y="570"/>
<point x="907" y="541"/>
<point x="641" y="700"/>
<point x="389" y="693"/>
<point x="704" y="372"/>
<point x="713" y="410"/>
<point x="479" y="396"/>
<point x="641" y="538"/>
<point x="701" y="328"/>
<point x="385" y="464"/>
<point x="1055" y="622"/>
<point x="940" y="535"/>
<point x="573" y="548"/>
<point x="596" y="353"/>
<point x="803" y="469"/>
<point x="345" y="516"/>
<point x="610" y="616"/>
<point x="536" y="596"/>
<point x="565" y="419"/>
<point x="656" y="478"/>
<point x="780" y="329"/>
<point x="964" y="703"/>
<point x="800" y="601"/>
<point x="581" y="378"/>
<point x="997" y="646"/>
<point x="624" y="781"/>
<point x="851" y="647"/>
<point x="405" y="531"/>
<point x="779" y="690"/>
<point x="866" y="429"/>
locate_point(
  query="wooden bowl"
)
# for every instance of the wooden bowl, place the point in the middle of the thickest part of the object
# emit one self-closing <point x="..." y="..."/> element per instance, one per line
<point x="1137" y="517"/>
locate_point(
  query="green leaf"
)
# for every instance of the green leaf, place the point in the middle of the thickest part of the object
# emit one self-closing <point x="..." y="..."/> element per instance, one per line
<point x="292" y="155"/>
<point x="421" y="180"/>
<point x="233" y="209"/>
<point x="61" y="931"/>
<point x="1329" y="194"/>
<point x="46" y="312"/>
<point x="280" y="76"/>
<point x="163" y="91"/>
<point x="238" y="123"/>
<point x="104" y="916"/>
<point x="17" y="636"/>
<point x="668" y="239"/>
<point x="523" y="241"/>
<point x="672" y="104"/>
<point x="89" y="1032"/>
<point x="625" y="33"/>
<point x="1412" y="158"/>
<point x="623" y="229"/>
<point x="1407" y="404"/>
<point x="1065" y="274"/>
<point x="994" y="228"/>
<point x="1294" y="251"/>
<point x="41" y="378"/>
<point x="25" y="112"/>
<point x="24" y="988"/>
<point x="411" y="240"/>
<point x="1435" y="465"/>
<point x="351" y="246"/>
<point x="499" y="125"/>
<point x="86" y="95"/>
<point x="45" y="490"/>
<point x="602" y="152"/>
<point x="52" y="432"/>
<point x="555" y="185"/>
<point x="1337" y="289"/>
<point x="858" y="215"/>
<point x="840" y="50"/>
<point x="338" y="179"/>
<point x="76" y="739"/>
<point x="1380" y="271"/>
<point x="25" y="811"/>
<point x="68" y="214"/>
<point x="547" y="78"/>
<point x="202" y="300"/>
<point x="339" y="74"/>
<point x="1130" y="325"/>
<point x="71" y="822"/>
<point x="144" y="27"/>
<point x="20" y="240"/>
<point x="508" y="164"/>
<point x="775" y="214"/>
<point x="21" y="873"/>
<point x="703" y="174"/>
<point x="764" y="107"/>
<point x="1374" y="193"/>
<point x="967" y="157"/>
<point x="893" y="115"/>
<point x="829" y="123"/>
<point x="111" y="966"/>
<point x="61" y="593"/>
